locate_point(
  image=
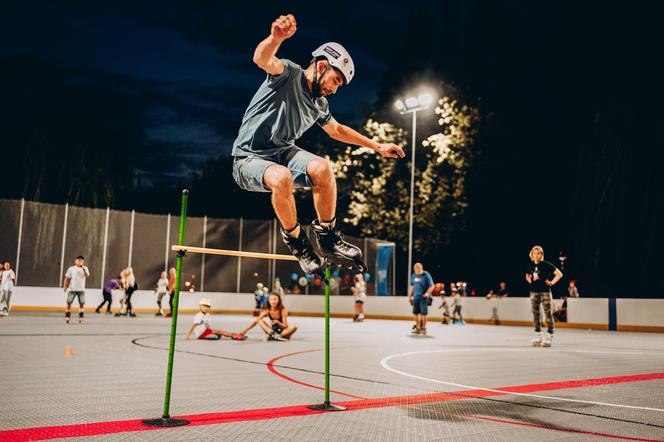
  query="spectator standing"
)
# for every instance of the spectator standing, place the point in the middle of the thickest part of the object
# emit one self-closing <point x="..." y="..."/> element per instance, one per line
<point x="6" y="288"/>
<point x="541" y="276"/>
<point x="107" y="293"/>
<point x="421" y="287"/>
<point x="130" y="288"/>
<point x="457" y="303"/>
<point x="258" y="298"/>
<point x="444" y="305"/>
<point x="74" y="287"/>
<point x="277" y="288"/>
<point x="172" y="276"/>
<point x="160" y="291"/>
<point x="359" y="291"/>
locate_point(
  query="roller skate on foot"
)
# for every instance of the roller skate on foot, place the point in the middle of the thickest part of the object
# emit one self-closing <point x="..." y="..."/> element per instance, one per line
<point x="537" y="340"/>
<point x="335" y="249"/>
<point x="302" y="249"/>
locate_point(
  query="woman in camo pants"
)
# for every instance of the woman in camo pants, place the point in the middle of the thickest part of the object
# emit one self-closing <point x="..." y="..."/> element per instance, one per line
<point x="541" y="276"/>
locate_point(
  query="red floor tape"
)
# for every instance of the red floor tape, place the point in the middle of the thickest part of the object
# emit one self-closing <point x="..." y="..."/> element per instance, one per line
<point x="98" y="428"/>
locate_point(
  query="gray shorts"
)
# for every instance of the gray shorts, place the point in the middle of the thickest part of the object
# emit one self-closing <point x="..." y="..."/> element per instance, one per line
<point x="72" y="294"/>
<point x="248" y="171"/>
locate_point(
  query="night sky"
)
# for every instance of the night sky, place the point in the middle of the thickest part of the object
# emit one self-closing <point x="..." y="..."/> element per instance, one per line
<point x="570" y="96"/>
<point x="191" y="62"/>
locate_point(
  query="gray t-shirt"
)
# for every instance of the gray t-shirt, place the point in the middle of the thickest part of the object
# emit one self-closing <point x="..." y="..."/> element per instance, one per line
<point x="279" y="113"/>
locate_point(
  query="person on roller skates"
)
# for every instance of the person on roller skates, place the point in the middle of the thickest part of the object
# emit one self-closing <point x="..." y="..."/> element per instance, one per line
<point x="266" y="159"/>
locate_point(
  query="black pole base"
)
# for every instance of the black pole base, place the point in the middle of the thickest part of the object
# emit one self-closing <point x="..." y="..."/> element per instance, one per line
<point x="165" y="422"/>
<point x="327" y="406"/>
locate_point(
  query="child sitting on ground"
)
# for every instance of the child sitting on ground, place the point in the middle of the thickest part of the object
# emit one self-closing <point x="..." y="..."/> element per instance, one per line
<point x="201" y="327"/>
<point x="279" y="330"/>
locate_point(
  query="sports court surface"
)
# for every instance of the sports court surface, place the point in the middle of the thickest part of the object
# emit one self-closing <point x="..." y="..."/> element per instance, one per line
<point x="472" y="382"/>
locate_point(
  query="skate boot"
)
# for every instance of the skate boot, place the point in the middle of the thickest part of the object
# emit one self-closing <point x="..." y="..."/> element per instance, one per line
<point x="537" y="340"/>
<point x="302" y="249"/>
<point x="332" y="244"/>
<point x="546" y="341"/>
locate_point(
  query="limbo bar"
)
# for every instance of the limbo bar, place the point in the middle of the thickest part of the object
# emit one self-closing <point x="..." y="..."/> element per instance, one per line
<point x="208" y="251"/>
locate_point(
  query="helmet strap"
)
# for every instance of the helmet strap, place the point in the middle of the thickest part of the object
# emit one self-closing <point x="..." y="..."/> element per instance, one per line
<point x="315" y="84"/>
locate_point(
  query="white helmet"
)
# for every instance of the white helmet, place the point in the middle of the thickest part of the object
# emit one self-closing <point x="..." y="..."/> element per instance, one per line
<point x="205" y="301"/>
<point x="338" y="57"/>
<point x="259" y="286"/>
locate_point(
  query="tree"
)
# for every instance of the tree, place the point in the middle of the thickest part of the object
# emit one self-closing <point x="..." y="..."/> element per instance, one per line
<point x="377" y="192"/>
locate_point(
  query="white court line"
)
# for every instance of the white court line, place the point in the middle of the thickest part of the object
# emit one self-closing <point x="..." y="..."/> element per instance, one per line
<point x="383" y="362"/>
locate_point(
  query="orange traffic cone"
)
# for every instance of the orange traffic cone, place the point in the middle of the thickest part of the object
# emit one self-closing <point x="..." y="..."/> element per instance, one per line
<point x="69" y="352"/>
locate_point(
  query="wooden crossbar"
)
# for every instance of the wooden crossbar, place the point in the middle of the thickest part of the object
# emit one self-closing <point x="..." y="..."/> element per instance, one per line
<point x="208" y="251"/>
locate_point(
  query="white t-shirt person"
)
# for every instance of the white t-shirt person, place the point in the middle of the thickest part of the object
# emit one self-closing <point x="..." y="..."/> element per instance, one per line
<point x="77" y="276"/>
<point x="8" y="278"/>
<point x="202" y="321"/>
<point x="360" y="292"/>
<point x="162" y="286"/>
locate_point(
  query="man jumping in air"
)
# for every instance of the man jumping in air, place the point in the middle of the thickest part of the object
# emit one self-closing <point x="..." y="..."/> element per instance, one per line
<point x="266" y="159"/>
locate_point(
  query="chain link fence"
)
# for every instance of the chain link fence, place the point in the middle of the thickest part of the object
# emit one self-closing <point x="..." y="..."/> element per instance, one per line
<point x="42" y="240"/>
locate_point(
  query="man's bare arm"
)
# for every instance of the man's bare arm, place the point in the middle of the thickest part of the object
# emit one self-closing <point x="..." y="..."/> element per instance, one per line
<point x="265" y="54"/>
<point x="345" y="134"/>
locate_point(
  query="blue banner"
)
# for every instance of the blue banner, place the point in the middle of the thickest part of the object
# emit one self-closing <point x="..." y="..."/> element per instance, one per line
<point x="383" y="261"/>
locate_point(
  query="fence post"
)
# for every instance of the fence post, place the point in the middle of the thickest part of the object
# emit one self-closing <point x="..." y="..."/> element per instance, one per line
<point x="64" y="241"/>
<point x="18" y="246"/>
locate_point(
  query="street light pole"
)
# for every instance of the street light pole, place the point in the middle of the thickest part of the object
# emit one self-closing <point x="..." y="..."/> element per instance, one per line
<point x="412" y="196"/>
<point x="411" y="106"/>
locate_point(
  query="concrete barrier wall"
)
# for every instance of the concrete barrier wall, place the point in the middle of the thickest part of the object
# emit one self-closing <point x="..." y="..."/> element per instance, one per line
<point x="588" y="310"/>
<point x="632" y="314"/>
<point x="645" y="313"/>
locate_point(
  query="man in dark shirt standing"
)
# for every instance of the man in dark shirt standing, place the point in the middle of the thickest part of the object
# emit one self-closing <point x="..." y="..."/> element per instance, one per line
<point x="541" y="276"/>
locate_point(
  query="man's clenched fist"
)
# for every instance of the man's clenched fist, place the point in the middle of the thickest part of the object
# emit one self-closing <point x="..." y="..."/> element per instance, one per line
<point x="284" y="27"/>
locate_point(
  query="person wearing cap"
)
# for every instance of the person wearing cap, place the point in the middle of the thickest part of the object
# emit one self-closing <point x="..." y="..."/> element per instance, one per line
<point x="258" y="298"/>
<point x="201" y="328"/>
<point x="288" y="102"/>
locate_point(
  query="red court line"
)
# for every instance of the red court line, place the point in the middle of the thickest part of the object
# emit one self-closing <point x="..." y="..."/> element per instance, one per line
<point x="98" y="428"/>
<point x="270" y="366"/>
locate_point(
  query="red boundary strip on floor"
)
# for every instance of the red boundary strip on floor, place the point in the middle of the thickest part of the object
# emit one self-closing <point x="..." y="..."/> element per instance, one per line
<point x="98" y="428"/>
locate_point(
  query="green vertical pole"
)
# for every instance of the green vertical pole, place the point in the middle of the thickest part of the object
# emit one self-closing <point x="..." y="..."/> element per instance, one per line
<point x="327" y="334"/>
<point x="326" y="405"/>
<point x="166" y="420"/>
